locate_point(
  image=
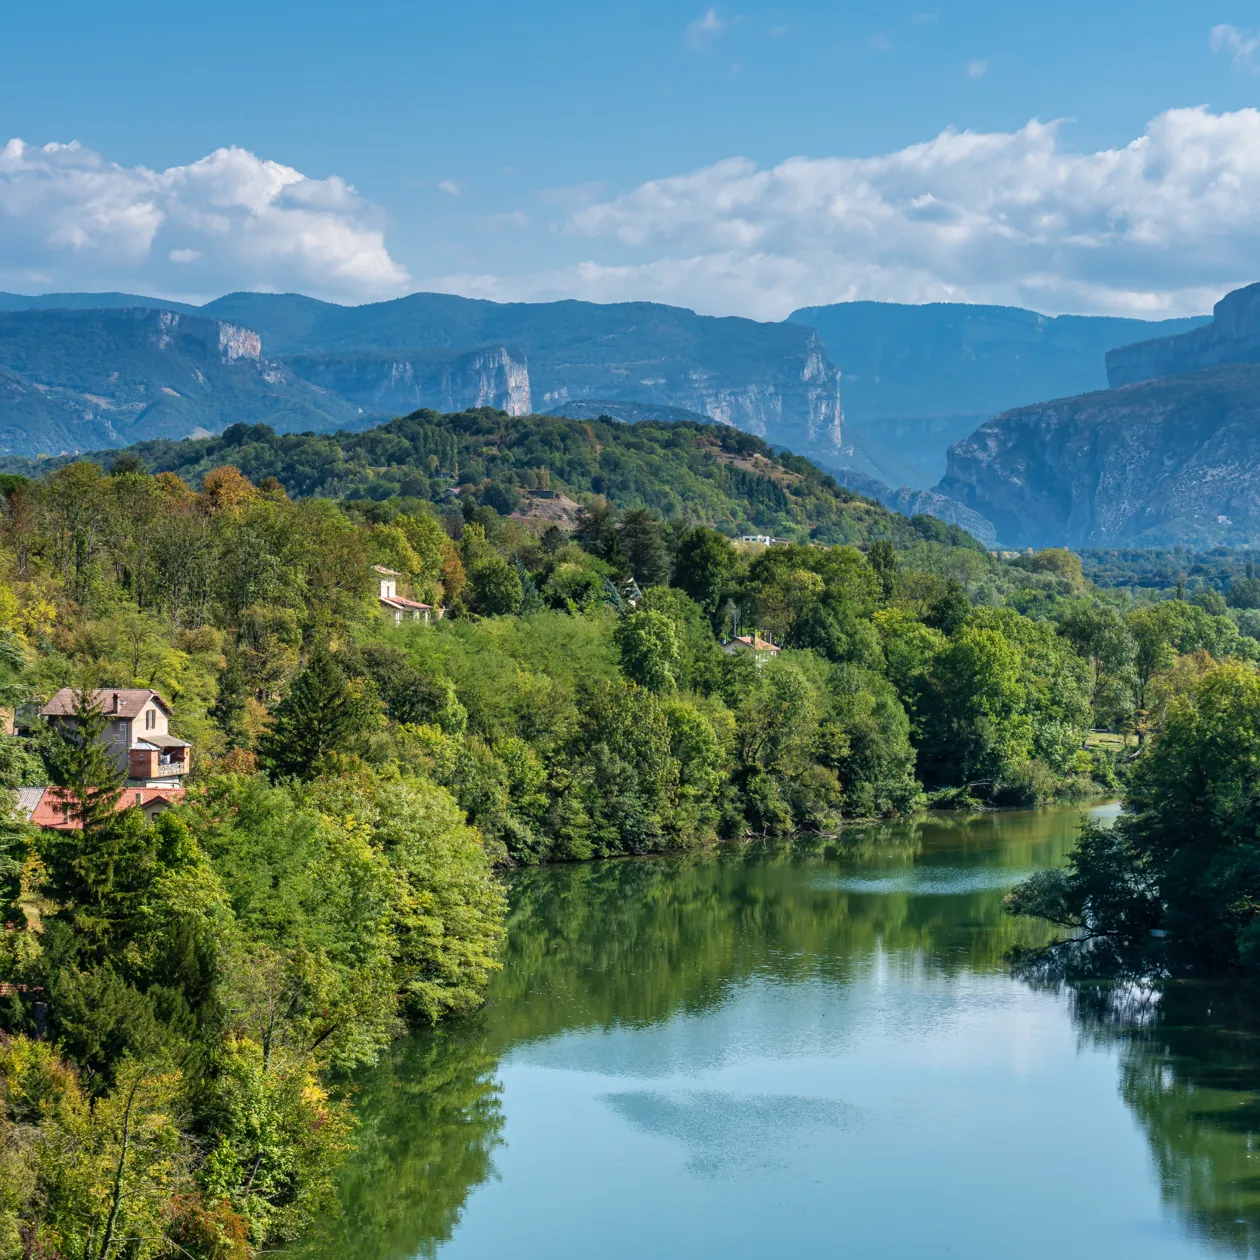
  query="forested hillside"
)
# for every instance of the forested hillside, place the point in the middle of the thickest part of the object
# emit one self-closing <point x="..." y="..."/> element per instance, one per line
<point x="708" y="473"/>
<point x="181" y="998"/>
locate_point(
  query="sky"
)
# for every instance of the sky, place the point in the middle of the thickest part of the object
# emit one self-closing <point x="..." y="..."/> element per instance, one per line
<point x="737" y="158"/>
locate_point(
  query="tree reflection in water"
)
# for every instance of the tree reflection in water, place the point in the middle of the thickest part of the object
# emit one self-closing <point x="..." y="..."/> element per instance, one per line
<point x="1189" y="1052"/>
<point x="429" y="1121"/>
<point x="634" y="943"/>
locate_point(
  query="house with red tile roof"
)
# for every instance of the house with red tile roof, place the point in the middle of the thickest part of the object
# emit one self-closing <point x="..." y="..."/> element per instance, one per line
<point x="762" y="649"/>
<point x="55" y="809"/>
<point x="398" y="607"/>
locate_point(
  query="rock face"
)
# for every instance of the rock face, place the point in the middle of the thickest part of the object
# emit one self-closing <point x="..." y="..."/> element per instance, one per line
<point x="775" y="380"/>
<point x="76" y="380"/>
<point x="1175" y="460"/>
<point x="917" y="378"/>
<point x="1233" y="336"/>
<point x="390" y="385"/>
<point x="917" y="503"/>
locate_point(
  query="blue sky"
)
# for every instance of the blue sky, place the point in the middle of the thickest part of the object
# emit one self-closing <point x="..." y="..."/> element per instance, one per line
<point x="587" y="150"/>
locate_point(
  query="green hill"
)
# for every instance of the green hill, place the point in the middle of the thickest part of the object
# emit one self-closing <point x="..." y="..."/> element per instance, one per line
<point x="710" y="473"/>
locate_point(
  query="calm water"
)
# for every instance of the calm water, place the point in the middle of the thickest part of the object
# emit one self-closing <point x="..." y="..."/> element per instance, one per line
<point x="809" y="1050"/>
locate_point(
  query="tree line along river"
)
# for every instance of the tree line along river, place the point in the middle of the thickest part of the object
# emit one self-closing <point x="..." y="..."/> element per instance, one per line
<point x="806" y="1049"/>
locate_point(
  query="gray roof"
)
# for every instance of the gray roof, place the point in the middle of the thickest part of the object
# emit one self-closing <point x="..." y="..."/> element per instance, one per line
<point x="120" y="702"/>
<point x="28" y="799"/>
<point x="162" y="741"/>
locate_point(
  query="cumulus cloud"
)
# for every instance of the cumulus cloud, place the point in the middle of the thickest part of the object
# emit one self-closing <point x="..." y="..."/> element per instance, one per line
<point x="1242" y="47"/>
<point x="977" y="69"/>
<point x="71" y="219"/>
<point x="1162" y="226"/>
<point x="449" y="187"/>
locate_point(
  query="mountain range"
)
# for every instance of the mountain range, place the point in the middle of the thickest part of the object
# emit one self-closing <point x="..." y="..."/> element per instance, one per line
<point x="1170" y="454"/>
<point x="432" y="349"/>
<point x="91" y="371"/>
<point x="918" y="378"/>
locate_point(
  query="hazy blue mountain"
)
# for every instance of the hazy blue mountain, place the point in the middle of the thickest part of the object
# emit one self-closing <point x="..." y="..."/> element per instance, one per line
<point x="394" y="384"/>
<point x="74" y="380"/>
<point x="1167" y="461"/>
<point x="626" y="412"/>
<point x="917" y="378"/>
<point x="1232" y="336"/>
<point x="774" y="380"/>
<point x="90" y="301"/>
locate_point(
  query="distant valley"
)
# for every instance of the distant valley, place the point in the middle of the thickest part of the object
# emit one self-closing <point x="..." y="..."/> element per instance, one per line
<point x="1170" y="455"/>
<point x="918" y="378"/>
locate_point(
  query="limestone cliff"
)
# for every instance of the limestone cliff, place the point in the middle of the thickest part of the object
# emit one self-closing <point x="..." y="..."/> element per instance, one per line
<point x="75" y="380"/>
<point x="392" y="384"/>
<point x="1156" y="463"/>
<point x="774" y="380"/>
<point x="1233" y="336"/>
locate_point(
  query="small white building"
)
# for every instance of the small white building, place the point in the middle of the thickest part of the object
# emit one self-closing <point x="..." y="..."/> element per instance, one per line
<point x="762" y="649"/>
<point x="398" y="607"/>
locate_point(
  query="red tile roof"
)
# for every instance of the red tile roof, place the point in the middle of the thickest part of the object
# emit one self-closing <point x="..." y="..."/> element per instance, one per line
<point x="398" y="601"/>
<point x="752" y="641"/>
<point x="57" y="810"/>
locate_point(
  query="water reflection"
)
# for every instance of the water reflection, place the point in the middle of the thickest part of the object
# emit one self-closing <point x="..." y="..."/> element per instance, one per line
<point x="1189" y="1055"/>
<point x="430" y="1120"/>
<point x="741" y="996"/>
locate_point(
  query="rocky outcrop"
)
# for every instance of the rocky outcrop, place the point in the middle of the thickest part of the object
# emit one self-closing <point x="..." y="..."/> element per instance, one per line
<point x="75" y="380"/>
<point x="775" y="380"/>
<point x="493" y="376"/>
<point x="1174" y="460"/>
<point x="1233" y="336"/>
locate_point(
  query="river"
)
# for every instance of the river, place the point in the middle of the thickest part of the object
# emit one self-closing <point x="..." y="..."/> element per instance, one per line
<point x="809" y="1049"/>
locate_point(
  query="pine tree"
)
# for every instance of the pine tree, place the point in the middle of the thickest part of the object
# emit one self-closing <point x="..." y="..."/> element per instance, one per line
<point x="319" y="715"/>
<point x="98" y="874"/>
<point x="80" y="763"/>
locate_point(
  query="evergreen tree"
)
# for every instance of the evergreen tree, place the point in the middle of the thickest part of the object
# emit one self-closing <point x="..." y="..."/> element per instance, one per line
<point x="646" y="550"/>
<point x="319" y="715"/>
<point x="80" y="763"/>
<point x="882" y="557"/>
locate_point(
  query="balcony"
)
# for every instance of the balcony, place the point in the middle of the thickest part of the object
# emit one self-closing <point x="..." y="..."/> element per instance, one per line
<point x="158" y="757"/>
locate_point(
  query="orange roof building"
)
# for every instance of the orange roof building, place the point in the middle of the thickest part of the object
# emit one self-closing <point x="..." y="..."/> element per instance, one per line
<point x="56" y="810"/>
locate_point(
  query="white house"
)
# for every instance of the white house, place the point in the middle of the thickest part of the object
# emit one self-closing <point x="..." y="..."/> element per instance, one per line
<point x="399" y="607"/>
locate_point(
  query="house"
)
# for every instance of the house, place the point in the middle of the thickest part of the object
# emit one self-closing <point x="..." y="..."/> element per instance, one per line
<point x="54" y="809"/>
<point x="398" y="607"/>
<point x="762" y="649"/>
<point x="137" y="736"/>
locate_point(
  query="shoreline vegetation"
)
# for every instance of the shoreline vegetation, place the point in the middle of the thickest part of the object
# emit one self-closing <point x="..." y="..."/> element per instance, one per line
<point x="183" y="997"/>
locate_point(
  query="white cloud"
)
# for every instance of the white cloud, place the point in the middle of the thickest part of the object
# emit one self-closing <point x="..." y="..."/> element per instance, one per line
<point x="700" y="33"/>
<point x="449" y="187"/>
<point x="977" y="69"/>
<point x="71" y="219"/>
<point x="1242" y="47"/>
<point x="1162" y="226"/>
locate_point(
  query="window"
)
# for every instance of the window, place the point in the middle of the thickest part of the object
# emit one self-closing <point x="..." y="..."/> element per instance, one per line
<point x="150" y="719"/>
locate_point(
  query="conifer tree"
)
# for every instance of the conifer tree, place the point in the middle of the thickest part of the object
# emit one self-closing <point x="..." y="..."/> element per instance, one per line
<point x="80" y="763"/>
<point x="319" y="715"/>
